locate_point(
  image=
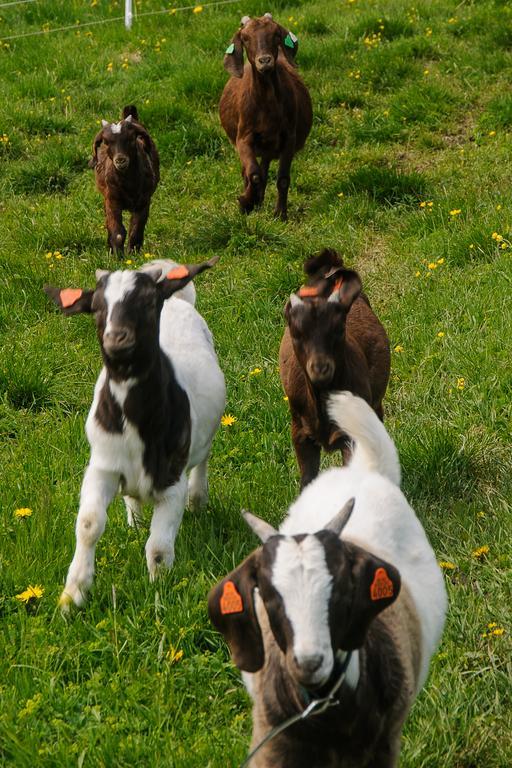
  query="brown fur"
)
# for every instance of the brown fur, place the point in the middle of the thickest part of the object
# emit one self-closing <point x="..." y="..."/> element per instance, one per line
<point x="267" y="114"/>
<point x="129" y="189"/>
<point x="350" y="338"/>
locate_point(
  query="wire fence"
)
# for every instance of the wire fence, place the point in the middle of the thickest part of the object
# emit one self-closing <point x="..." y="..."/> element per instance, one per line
<point x="82" y="25"/>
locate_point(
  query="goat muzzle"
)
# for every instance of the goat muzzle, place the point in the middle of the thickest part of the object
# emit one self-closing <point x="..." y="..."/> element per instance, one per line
<point x="118" y="343"/>
<point x="320" y="370"/>
<point x="265" y="63"/>
<point x="121" y="162"/>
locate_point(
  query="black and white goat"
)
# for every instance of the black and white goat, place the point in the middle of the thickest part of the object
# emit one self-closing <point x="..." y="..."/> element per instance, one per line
<point x="157" y="405"/>
<point x="359" y="589"/>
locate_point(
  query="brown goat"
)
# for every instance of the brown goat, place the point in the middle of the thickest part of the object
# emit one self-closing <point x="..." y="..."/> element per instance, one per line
<point x="333" y="342"/>
<point x="127" y="169"/>
<point x="265" y="108"/>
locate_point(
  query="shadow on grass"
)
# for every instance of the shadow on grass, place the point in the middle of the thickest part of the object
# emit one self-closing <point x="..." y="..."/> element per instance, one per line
<point x="385" y="185"/>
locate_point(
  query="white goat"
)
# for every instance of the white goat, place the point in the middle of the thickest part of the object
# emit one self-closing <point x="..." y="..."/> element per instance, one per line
<point x="310" y="602"/>
<point x="157" y="405"/>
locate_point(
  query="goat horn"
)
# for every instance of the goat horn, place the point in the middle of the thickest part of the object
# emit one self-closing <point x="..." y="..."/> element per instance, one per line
<point x="295" y="300"/>
<point x="268" y="16"/>
<point x="105" y="123"/>
<point x="101" y="273"/>
<point x="128" y="119"/>
<point x="244" y="20"/>
<point x="262" y="529"/>
<point x="340" y="520"/>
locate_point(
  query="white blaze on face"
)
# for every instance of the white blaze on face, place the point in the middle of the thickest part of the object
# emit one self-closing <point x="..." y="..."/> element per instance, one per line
<point x="302" y="578"/>
<point x="119" y="285"/>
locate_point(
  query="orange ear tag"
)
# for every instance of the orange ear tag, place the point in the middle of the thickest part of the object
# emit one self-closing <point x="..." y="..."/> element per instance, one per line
<point x="177" y="273"/>
<point x="308" y="290"/>
<point x="337" y="285"/>
<point x="382" y="586"/>
<point x="68" y="296"/>
<point x="231" y="600"/>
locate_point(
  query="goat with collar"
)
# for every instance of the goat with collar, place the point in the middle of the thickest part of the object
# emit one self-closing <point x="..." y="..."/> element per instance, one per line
<point x="308" y="595"/>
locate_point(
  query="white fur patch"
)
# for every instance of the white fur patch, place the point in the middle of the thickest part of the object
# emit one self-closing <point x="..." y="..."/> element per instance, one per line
<point x="116" y="127"/>
<point x="119" y="285"/>
<point x="302" y="578"/>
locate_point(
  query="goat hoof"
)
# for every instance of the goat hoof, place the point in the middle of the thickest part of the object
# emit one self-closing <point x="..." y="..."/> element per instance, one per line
<point x="245" y="207"/>
<point x="278" y="214"/>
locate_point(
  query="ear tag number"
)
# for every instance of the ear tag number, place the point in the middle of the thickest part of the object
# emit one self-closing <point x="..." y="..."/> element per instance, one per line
<point x="177" y="273"/>
<point x="308" y="290"/>
<point x="288" y="41"/>
<point x="382" y="586"/>
<point x="231" y="600"/>
<point x="68" y="296"/>
<point x="230" y="48"/>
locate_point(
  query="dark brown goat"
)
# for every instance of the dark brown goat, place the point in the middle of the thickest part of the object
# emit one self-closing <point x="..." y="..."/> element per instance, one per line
<point x="333" y="342"/>
<point x="127" y="168"/>
<point x="265" y="108"/>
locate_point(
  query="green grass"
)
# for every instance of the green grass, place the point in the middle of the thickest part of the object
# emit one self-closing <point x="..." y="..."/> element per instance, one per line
<point x="421" y="113"/>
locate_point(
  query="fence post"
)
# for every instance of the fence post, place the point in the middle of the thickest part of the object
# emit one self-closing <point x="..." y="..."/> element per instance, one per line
<point x="128" y="13"/>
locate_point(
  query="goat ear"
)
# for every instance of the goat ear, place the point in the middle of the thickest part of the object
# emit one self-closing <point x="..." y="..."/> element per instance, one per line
<point x="142" y="136"/>
<point x="231" y="611"/>
<point x="261" y="528"/>
<point x="346" y="289"/>
<point x="178" y="277"/>
<point x="289" y="45"/>
<point x="95" y="146"/>
<point x="376" y="585"/>
<point x="71" y="301"/>
<point x="234" y="56"/>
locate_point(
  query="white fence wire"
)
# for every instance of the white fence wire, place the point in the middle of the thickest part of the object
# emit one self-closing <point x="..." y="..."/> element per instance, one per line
<point x="82" y="25"/>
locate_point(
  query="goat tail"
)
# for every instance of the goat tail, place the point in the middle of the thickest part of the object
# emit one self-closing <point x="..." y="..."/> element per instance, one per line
<point x="130" y="109"/>
<point x="373" y="449"/>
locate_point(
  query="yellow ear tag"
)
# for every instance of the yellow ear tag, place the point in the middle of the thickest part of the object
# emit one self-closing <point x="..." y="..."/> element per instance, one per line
<point x="231" y="600"/>
<point x="382" y="586"/>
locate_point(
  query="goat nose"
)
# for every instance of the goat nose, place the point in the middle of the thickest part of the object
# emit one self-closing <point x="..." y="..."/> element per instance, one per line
<point x="265" y="60"/>
<point x="121" y="161"/>
<point x="118" y="337"/>
<point x="309" y="664"/>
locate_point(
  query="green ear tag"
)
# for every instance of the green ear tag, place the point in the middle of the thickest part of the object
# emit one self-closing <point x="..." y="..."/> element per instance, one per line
<point x="230" y="48"/>
<point x="288" y="41"/>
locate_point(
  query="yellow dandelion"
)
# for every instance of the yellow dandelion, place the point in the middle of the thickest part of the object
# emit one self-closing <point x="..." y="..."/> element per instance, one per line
<point x="499" y="207"/>
<point x="432" y="265"/>
<point x="286" y="398"/>
<point x="30" y="593"/>
<point x="446" y="565"/>
<point x="503" y="246"/>
<point x="461" y="382"/>
<point x="423" y="204"/>
<point x="128" y="261"/>
<point x="399" y="348"/>
<point x="426" y="71"/>
<point x="198" y="9"/>
<point x="440" y="261"/>
<point x="174" y="655"/>
<point x="227" y="420"/>
<point x="341" y="194"/>
<point x="255" y="372"/>
<point x="455" y="211"/>
<point x="492" y="624"/>
<point x="492" y="133"/>
<point x="480" y="552"/>
<point x="417" y="274"/>
<point x="440" y="334"/>
<point x="430" y="204"/>
<point x="498" y="631"/>
<point x="23" y="512"/>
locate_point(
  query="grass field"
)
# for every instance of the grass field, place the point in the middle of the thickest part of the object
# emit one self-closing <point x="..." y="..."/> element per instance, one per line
<point x="407" y="172"/>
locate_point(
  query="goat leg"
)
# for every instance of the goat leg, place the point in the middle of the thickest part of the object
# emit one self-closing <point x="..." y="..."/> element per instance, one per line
<point x="115" y="228"/>
<point x="252" y="176"/>
<point x="137" y="224"/>
<point x="98" y="489"/>
<point x="164" y="527"/>
<point x="308" y="455"/>
<point x="283" y="181"/>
